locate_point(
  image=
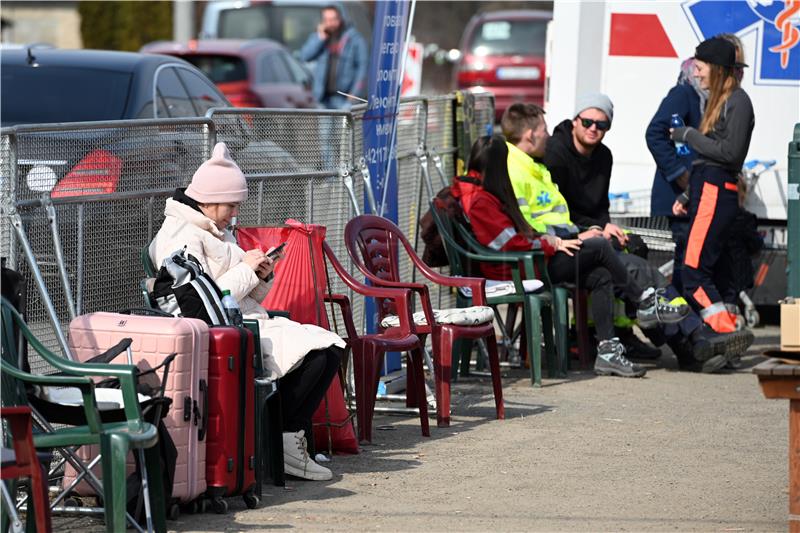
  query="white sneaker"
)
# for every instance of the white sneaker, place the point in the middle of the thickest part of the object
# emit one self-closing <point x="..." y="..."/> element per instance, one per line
<point x="297" y="462"/>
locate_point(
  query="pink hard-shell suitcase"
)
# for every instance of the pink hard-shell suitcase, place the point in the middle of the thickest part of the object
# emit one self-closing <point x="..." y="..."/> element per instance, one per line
<point x="154" y="338"/>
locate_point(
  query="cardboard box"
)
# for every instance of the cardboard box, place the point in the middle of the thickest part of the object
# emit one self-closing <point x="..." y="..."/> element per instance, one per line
<point x="790" y="325"/>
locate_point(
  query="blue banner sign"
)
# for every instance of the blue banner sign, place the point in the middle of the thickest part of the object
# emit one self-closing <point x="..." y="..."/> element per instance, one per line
<point x="391" y="19"/>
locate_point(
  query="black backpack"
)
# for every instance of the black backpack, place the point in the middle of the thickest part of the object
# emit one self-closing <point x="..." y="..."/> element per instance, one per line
<point x="182" y="288"/>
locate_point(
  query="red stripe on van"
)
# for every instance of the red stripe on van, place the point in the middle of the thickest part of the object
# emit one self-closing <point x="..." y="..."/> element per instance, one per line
<point x="635" y="34"/>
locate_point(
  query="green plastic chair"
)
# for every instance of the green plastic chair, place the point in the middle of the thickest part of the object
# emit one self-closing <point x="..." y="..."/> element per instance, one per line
<point x="522" y="267"/>
<point x="557" y="297"/>
<point x="115" y="438"/>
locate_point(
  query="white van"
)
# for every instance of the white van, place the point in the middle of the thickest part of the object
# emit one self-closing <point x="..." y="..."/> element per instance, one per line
<point x="289" y="22"/>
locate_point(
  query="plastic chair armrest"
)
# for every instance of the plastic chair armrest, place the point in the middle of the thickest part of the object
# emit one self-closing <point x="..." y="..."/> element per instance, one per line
<point x="346" y="310"/>
<point x="84" y="384"/>
<point x="127" y="376"/>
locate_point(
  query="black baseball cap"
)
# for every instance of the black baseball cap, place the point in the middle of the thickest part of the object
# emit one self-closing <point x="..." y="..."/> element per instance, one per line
<point x="717" y="51"/>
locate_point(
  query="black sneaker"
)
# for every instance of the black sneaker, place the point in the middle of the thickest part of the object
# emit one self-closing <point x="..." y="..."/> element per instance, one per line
<point x="655" y="309"/>
<point x="611" y="361"/>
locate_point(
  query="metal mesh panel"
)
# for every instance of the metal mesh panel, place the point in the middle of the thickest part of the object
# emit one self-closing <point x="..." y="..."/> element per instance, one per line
<point x="6" y="197"/>
<point x="483" y="115"/>
<point x="440" y="139"/>
<point x="113" y="179"/>
<point x="286" y="143"/>
<point x="119" y="157"/>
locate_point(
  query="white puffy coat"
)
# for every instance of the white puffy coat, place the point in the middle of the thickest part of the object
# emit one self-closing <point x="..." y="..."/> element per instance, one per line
<point x="284" y="343"/>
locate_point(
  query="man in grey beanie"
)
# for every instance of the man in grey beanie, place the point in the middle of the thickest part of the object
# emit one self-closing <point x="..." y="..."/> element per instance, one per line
<point x="580" y="164"/>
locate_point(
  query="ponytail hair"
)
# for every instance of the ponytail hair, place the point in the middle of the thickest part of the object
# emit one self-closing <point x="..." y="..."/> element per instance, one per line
<point x="489" y="157"/>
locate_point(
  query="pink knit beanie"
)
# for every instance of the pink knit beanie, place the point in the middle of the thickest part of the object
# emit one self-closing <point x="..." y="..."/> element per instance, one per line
<point x="219" y="180"/>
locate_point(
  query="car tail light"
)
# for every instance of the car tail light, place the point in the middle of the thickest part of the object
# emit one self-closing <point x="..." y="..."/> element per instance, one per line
<point x="472" y="73"/>
<point x="245" y="98"/>
<point x="470" y="78"/>
<point x="97" y="173"/>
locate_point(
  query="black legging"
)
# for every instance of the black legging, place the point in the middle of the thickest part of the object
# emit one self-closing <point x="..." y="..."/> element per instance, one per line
<point x="599" y="270"/>
<point x="304" y="387"/>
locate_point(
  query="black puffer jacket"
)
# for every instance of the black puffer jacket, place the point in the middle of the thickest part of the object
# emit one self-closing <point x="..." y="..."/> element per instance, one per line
<point x="582" y="180"/>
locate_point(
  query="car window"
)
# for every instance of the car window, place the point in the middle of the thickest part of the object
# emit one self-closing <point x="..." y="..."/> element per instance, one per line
<point x="509" y="37"/>
<point x="84" y="94"/>
<point x="274" y="69"/>
<point x="203" y="94"/>
<point x="174" y="101"/>
<point x="219" y="68"/>
<point x="289" y="25"/>
<point x="298" y="73"/>
<point x="244" y="23"/>
<point x="296" y="24"/>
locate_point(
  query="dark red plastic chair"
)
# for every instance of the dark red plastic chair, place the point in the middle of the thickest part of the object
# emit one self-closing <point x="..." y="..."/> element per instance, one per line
<point x="372" y="243"/>
<point x="24" y="463"/>
<point x="368" y="349"/>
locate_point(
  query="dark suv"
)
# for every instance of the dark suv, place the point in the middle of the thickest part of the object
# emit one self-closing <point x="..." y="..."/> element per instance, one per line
<point x="100" y="85"/>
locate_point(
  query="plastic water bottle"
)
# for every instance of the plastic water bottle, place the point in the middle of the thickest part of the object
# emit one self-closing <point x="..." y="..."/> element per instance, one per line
<point x="232" y="310"/>
<point x="677" y="122"/>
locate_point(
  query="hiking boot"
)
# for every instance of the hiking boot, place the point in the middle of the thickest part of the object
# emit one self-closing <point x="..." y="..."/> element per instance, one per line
<point x="733" y="345"/>
<point x="655" y="309"/>
<point x="611" y="361"/>
<point x="635" y="348"/>
<point x="297" y="462"/>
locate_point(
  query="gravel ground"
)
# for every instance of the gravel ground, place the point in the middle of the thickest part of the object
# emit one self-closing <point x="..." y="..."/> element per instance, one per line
<point x="674" y="451"/>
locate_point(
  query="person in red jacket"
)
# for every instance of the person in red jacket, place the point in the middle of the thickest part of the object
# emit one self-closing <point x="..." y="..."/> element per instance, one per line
<point x="489" y="203"/>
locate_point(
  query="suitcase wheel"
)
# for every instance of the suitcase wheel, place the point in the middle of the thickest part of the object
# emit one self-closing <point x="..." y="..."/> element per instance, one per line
<point x="219" y="505"/>
<point x="251" y="500"/>
<point x="173" y="512"/>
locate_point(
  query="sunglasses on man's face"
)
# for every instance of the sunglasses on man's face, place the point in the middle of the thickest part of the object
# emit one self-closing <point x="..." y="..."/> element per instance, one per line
<point x="602" y="125"/>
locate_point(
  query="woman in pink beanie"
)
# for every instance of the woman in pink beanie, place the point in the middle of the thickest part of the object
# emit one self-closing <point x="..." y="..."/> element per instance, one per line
<point x="303" y="357"/>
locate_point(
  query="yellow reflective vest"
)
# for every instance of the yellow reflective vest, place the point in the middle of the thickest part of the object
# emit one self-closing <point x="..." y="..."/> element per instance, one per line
<point x="539" y="199"/>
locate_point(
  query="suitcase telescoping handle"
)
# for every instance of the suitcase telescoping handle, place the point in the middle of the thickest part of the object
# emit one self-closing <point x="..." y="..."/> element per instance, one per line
<point x="204" y="427"/>
<point x="145" y="311"/>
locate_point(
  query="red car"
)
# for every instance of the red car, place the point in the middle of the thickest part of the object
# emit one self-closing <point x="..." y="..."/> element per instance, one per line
<point x="250" y="73"/>
<point x="503" y="53"/>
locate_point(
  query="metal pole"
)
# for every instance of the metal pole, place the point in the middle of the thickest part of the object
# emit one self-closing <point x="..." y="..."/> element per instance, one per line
<point x="16" y="220"/>
<point x="397" y="99"/>
<point x="59" y="251"/>
<point x="362" y="164"/>
<point x="347" y="179"/>
<point x="793" y="216"/>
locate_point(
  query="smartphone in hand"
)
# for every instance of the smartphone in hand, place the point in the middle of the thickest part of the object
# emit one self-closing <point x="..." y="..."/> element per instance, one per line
<point x="273" y="254"/>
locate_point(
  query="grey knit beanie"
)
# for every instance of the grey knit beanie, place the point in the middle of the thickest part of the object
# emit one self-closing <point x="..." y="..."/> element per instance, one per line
<point x="597" y="100"/>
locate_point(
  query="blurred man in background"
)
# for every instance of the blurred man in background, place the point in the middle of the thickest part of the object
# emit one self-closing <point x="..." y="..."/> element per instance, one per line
<point x="341" y="66"/>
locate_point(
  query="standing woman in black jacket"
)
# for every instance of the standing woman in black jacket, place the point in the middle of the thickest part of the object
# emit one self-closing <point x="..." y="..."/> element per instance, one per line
<point x="721" y="143"/>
